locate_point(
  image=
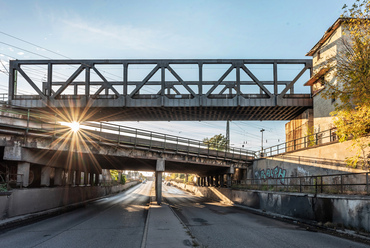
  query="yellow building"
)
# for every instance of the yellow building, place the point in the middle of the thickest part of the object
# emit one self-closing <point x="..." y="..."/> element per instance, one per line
<point x="324" y="53"/>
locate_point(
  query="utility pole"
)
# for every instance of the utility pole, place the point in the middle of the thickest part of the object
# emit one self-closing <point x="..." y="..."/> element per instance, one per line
<point x="262" y="130"/>
<point x="227" y="135"/>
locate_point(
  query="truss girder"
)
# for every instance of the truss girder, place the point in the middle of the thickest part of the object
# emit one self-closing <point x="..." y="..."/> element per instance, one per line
<point x="158" y="89"/>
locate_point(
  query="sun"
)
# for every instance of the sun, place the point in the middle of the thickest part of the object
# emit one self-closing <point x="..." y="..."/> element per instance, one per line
<point x="75" y="126"/>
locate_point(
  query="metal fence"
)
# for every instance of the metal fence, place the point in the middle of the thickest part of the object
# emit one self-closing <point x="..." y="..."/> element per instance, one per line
<point x="320" y="138"/>
<point x="349" y="183"/>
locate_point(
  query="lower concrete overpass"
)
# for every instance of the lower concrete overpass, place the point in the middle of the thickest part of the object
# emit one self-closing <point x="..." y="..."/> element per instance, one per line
<point x="33" y="145"/>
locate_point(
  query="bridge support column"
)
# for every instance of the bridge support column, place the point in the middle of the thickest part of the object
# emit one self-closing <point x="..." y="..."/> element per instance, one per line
<point x="45" y="175"/>
<point x="97" y="179"/>
<point x="230" y="171"/>
<point x="119" y="177"/>
<point x="222" y="181"/>
<point x="209" y="181"/>
<point x="69" y="177"/>
<point x="86" y="178"/>
<point x="216" y="181"/>
<point x="23" y="168"/>
<point x="58" y="173"/>
<point x="160" y="167"/>
<point x="78" y="178"/>
<point x="91" y="179"/>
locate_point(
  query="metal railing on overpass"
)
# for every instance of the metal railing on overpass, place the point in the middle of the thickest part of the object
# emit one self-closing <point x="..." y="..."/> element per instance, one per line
<point x="348" y="183"/>
<point x="309" y="141"/>
<point x="113" y="134"/>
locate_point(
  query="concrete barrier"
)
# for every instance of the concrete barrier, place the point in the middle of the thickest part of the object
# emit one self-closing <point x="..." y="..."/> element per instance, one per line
<point x="349" y="211"/>
<point x="26" y="201"/>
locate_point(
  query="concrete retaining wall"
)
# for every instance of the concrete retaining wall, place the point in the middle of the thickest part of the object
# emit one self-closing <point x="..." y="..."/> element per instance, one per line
<point x="321" y="160"/>
<point x="26" y="201"/>
<point x="349" y="211"/>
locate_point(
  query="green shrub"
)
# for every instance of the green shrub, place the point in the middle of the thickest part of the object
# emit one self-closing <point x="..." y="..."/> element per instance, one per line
<point x="123" y="179"/>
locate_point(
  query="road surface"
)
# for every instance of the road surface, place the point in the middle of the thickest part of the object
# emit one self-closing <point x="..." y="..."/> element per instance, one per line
<point x="121" y="221"/>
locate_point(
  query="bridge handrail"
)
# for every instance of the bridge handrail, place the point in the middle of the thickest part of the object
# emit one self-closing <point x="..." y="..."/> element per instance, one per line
<point x="309" y="141"/>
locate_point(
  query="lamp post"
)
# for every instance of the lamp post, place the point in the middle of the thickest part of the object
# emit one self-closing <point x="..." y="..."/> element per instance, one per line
<point x="262" y="130"/>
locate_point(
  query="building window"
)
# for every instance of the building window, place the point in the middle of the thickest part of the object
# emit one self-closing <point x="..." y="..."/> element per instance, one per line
<point x="332" y="99"/>
<point x="318" y="55"/>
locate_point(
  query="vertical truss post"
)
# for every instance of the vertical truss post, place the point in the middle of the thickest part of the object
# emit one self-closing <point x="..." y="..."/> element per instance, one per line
<point x="87" y="81"/>
<point x="238" y="84"/>
<point x="125" y="78"/>
<point x="200" y="89"/>
<point x="49" y="80"/>
<point x="12" y="90"/>
<point x="275" y="79"/>
<point x="163" y="82"/>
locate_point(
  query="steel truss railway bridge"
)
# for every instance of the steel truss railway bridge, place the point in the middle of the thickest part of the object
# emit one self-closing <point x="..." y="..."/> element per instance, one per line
<point x="111" y="90"/>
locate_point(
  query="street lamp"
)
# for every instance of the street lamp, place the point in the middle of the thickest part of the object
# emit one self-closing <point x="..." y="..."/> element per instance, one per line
<point x="262" y="130"/>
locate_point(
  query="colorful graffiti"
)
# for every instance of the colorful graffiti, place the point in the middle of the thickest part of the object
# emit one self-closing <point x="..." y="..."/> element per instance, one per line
<point x="276" y="173"/>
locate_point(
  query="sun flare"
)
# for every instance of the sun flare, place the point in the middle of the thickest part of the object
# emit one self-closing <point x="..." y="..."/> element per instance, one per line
<point x="75" y="126"/>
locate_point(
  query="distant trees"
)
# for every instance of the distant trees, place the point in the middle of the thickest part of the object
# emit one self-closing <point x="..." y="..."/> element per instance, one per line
<point x="217" y="142"/>
<point x="351" y="67"/>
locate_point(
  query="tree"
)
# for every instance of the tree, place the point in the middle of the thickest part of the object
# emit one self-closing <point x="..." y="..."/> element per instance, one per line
<point x="351" y="67"/>
<point x="218" y="142"/>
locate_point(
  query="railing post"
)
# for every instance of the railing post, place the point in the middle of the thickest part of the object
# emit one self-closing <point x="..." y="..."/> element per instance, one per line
<point x="119" y="134"/>
<point x="198" y="148"/>
<point x="165" y="140"/>
<point x="177" y="144"/>
<point x="300" y="185"/>
<point x="28" y="125"/>
<point x="99" y="133"/>
<point x="341" y="184"/>
<point x="151" y="139"/>
<point x="367" y="183"/>
<point x="135" y="137"/>
<point x="316" y="185"/>
<point x="321" y="188"/>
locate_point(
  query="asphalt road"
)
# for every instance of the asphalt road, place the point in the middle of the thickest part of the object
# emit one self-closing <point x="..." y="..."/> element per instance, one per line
<point x="119" y="221"/>
<point x="216" y="225"/>
<point x="116" y="221"/>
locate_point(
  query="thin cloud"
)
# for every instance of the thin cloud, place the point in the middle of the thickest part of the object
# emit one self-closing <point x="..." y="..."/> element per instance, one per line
<point x="123" y="36"/>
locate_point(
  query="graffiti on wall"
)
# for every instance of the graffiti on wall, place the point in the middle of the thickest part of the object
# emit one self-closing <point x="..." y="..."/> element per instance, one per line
<point x="275" y="173"/>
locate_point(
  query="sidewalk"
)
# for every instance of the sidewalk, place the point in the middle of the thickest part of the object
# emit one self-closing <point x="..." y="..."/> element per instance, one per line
<point x="164" y="229"/>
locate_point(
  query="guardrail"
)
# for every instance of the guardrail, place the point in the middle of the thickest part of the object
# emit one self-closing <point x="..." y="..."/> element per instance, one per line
<point x="117" y="134"/>
<point x="317" y="139"/>
<point x="349" y="183"/>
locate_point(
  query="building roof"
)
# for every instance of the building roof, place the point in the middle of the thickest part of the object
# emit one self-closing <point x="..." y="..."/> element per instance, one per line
<point x="326" y="36"/>
<point x="316" y="77"/>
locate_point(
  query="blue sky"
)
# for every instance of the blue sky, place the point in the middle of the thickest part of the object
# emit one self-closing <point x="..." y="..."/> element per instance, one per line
<point x="169" y="29"/>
